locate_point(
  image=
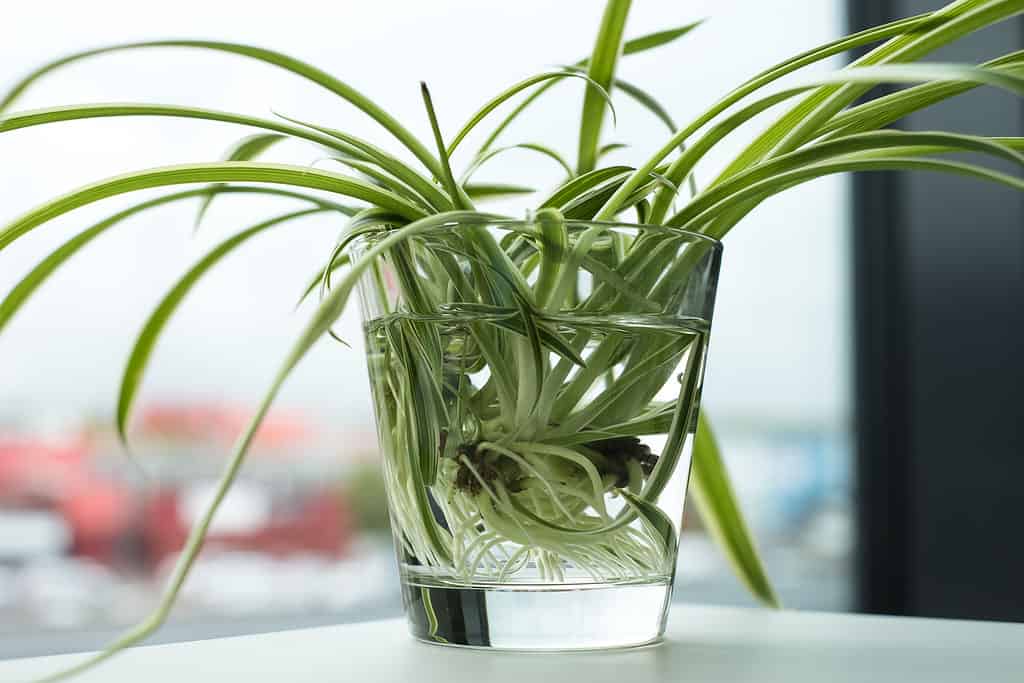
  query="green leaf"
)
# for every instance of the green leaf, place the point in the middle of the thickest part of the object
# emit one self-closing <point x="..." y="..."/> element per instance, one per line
<point x="501" y="317"/>
<point x="203" y="173"/>
<point x="885" y="143"/>
<point x="348" y="145"/>
<point x="510" y="92"/>
<point x="580" y="185"/>
<point x="684" y="164"/>
<point x="246" y="149"/>
<point x="363" y="223"/>
<point x="37" y="117"/>
<point x="138" y="359"/>
<point x="298" y="67"/>
<point x="586" y="206"/>
<point x="642" y="97"/>
<point x="531" y="146"/>
<point x="657" y="39"/>
<point x="658" y="423"/>
<point x="327" y="312"/>
<point x="916" y="73"/>
<point x="601" y="70"/>
<point x="604" y="274"/>
<point x="872" y="35"/>
<point x="388" y="162"/>
<point x="334" y="263"/>
<point x="553" y="238"/>
<point x="250" y="147"/>
<point x="720" y="512"/>
<point x="22" y="291"/>
<point x="609" y="148"/>
<point x="655" y="520"/>
<point x="887" y="109"/>
<point x="382" y="179"/>
<point x="455" y="192"/>
<point x="634" y="46"/>
<point x="803" y="121"/>
<point x="784" y="181"/>
<point x="870" y="75"/>
<point x="487" y="191"/>
<point x="424" y="398"/>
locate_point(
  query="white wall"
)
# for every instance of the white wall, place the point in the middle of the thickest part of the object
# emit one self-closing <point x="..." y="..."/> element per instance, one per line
<point x="780" y="339"/>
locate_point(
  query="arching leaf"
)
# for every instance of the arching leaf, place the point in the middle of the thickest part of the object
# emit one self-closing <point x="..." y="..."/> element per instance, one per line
<point x="22" y="291"/>
<point x="138" y="359"/>
<point x="246" y="149"/>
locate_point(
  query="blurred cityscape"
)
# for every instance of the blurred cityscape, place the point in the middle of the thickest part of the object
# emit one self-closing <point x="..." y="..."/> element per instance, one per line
<point x="88" y="532"/>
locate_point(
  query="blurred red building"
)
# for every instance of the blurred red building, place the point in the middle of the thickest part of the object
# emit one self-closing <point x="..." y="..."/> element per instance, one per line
<point x="115" y="516"/>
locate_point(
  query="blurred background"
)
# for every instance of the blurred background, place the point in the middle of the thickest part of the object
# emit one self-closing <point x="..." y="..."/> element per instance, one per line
<point x="87" y="533"/>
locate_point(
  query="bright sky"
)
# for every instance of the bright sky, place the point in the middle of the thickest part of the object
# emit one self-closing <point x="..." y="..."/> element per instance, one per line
<point x="780" y="338"/>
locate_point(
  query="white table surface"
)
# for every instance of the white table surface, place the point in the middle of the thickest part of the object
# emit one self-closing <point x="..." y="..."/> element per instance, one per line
<point x="703" y="644"/>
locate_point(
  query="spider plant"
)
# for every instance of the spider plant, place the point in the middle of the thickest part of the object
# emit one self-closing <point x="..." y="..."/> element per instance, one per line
<point x="413" y="219"/>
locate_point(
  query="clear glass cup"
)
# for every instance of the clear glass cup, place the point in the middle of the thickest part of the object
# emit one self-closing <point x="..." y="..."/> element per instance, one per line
<point x="536" y="385"/>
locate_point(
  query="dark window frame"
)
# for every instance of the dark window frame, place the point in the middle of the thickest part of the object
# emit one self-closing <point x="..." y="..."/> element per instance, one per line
<point x="939" y="423"/>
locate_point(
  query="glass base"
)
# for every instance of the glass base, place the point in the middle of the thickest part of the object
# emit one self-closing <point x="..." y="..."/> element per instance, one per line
<point x="538" y="617"/>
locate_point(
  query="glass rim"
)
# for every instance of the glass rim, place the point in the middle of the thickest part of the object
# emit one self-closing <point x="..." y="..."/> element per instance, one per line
<point x="498" y="222"/>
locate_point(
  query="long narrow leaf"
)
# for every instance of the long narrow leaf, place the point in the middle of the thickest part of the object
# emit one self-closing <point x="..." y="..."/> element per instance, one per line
<point x="286" y="62"/>
<point x="386" y="161"/>
<point x="881" y="142"/>
<point x="601" y="70"/>
<point x="38" y="117"/>
<point x="246" y="149"/>
<point x="334" y="263"/>
<point x="785" y="181"/>
<point x="578" y="186"/>
<point x="869" y="75"/>
<point x="632" y="46"/>
<point x="507" y="94"/>
<point x="802" y="122"/>
<point x="22" y="291"/>
<point x="142" y="350"/>
<point x="531" y="146"/>
<point x="382" y="179"/>
<point x="327" y="312"/>
<point x="204" y="173"/>
<point x="456" y="194"/>
<point x="720" y="512"/>
<point x="657" y="39"/>
<point x="887" y="109"/>
<point x="486" y="191"/>
<point x="763" y="79"/>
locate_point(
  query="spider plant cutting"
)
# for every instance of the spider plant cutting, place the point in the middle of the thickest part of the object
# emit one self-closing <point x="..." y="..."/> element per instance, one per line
<point x="537" y="380"/>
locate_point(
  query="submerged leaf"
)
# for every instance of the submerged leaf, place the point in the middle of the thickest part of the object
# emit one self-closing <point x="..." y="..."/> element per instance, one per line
<point x="656" y="520"/>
